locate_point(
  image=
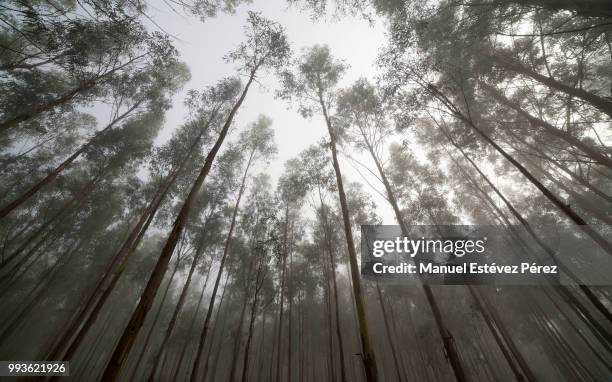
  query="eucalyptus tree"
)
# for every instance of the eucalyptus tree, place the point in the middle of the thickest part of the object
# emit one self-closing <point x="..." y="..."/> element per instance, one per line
<point x="290" y="193"/>
<point x="175" y="158"/>
<point x="261" y="210"/>
<point x="312" y="86"/>
<point x="110" y="169"/>
<point x="258" y="140"/>
<point x="266" y="46"/>
<point x="319" y="180"/>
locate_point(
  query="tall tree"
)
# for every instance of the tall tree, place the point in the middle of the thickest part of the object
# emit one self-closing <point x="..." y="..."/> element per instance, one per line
<point x="313" y="87"/>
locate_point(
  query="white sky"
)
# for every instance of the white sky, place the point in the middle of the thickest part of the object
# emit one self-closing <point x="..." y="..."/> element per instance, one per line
<point x="203" y="44"/>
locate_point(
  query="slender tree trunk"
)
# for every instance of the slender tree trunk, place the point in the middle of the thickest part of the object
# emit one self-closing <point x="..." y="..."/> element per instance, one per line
<point x="277" y="377"/>
<point x="367" y="350"/>
<point x="271" y="368"/>
<point x="302" y="348"/>
<point x="290" y="318"/>
<point x="445" y="334"/>
<point x="196" y="365"/>
<point x="261" y="348"/>
<point x="129" y="334"/>
<point x="332" y="260"/>
<point x="521" y="371"/>
<point x="219" y="348"/>
<point x="177" y="311"/>
<point x="191" y="325"/>
<point x="330" y="339"/>
<point x="238" y="339"/>
<point x="398" y="373"/>
<point x="218" y="318"/>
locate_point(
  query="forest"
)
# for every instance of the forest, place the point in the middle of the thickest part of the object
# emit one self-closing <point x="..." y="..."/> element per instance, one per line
<point x="140" y="249"/>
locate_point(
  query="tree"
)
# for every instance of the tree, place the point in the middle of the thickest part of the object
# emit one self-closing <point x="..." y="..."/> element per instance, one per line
<point x="312" y="86"/>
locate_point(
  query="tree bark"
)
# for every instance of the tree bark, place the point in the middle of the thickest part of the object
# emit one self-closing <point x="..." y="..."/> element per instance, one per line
<point x="191" y="325"/>
<point x="282" y="299"/>
<point x="258" y="284"/>
<point x="145" y="345"/>
<point x="177" y="311"/>
<point x="238" y="339"/>
<point x="332" y="261"/>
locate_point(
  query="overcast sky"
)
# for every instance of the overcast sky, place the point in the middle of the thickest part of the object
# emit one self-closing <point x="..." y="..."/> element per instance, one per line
<point x="203" y="44"/>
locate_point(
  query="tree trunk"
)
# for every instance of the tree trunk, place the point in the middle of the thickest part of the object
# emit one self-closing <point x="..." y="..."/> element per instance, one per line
<point x="129" y="334"/>
<point x="218" y="318"/>
<point x="261" y="348"/>
<point x="119" y="260"/>
<point x="191" y="325"/>
<point x="238" y="339"/>
<point x="277" y="377"/>
<point x="367" y="350"/>
<point x="330" y="340"/>
<point x="145" y="345"/>
<point x="245" y="361"/>
<point x="445" y="334"/>
<point x="522" y="370"/>
<point x="332" y="260"/>
<point x="398" y="373"/>
<point x="177" y="311"/>
<point x="290" y="317"/>
<point x="196" y="365"/>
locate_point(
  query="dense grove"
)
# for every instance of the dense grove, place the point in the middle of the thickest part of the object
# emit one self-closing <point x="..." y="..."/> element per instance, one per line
<point x="183" y="261"/>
